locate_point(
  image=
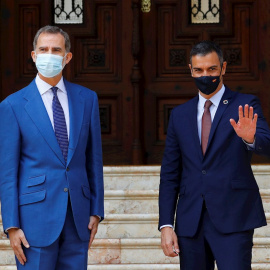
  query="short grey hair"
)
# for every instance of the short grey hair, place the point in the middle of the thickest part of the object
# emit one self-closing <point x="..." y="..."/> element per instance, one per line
<point x="52" y="30"/>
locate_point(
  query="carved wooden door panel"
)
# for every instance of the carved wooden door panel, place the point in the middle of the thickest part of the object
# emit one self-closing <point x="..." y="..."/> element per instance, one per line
<point x="138" y="62"/>
<point x="168" y="36"/>
<point x="102" y="61"/>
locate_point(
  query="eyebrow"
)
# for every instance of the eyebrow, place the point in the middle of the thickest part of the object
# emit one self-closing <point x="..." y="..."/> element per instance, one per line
<point x="54" y="48"/>
<point x="208" y="68"/>
<point x="58" y="48"/>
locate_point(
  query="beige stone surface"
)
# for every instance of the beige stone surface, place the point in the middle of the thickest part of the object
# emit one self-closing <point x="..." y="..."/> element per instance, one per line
<point x="128" y="238"/>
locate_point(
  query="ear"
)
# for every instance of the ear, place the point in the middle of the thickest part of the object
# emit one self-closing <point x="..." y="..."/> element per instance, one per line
<point x="190" y="67"/>
<point x="33" y="55"/>
<point x="68" y="57"/>
<point x="224" y="66"/>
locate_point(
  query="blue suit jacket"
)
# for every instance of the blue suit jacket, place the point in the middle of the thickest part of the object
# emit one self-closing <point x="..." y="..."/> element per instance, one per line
<point x="33" y="173"/>
<point x="223" y="178"/>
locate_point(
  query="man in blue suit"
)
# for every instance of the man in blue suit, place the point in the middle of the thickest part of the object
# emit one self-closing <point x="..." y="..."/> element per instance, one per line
<point x="209" y="200"/>
<point x="51" y="172"/>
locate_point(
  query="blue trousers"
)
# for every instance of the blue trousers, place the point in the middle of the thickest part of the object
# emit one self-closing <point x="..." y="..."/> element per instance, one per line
<point x="230" y="251"/>
<point x="68" y="252"/>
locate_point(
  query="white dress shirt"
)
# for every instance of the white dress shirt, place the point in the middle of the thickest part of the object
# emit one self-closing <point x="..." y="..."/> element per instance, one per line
<point x="213" y="108"/>
<point x="47" y="97"/>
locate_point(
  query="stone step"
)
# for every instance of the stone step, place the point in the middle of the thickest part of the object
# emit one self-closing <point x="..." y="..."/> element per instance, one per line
<point x="146" y="201"/>
<point x="147" y="177"/>
<point x="121" y="267"/>
<point x="142" y="267"/>
<point x="131" y="201"/>
<point x="131" y="177"/>
<point x="137" y="251"/>
<point x="124" y="226"/>
<point x="151" y="267"/>
<point x="128" y="238"/>
<point x="129" y="226"/>
<point x="146" y="225"/>
<point x="140" y="226"/>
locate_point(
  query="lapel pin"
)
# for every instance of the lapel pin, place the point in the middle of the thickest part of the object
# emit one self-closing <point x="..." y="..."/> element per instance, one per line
<point x="225" y="101"/>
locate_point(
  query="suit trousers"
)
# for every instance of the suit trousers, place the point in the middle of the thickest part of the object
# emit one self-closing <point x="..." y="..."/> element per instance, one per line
<point x="68" y="252"/>
<point x="230" y="251"/>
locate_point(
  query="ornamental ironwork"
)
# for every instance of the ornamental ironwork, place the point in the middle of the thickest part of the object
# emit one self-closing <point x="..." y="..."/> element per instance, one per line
<point x="205" y="11"/>
<point x="68" y="11"/>
<point x="146" y="5"/>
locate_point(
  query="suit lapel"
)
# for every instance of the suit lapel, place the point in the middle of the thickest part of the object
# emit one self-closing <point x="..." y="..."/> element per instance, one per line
<point x="223" y="105"/>
<point x="37" y="112"/>
<point x="76" y="112"/>
<point x="194" y="125"/>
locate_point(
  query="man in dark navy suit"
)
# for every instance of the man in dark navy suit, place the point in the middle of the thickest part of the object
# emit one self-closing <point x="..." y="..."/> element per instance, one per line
<point x="209" y="201"/>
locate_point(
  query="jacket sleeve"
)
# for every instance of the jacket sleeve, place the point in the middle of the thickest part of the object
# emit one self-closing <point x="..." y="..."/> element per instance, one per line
<point x="262" y="135"/>
<point x="170" y="176"/>
<point x="94" y="163"/>
<point x="9" y="165"/>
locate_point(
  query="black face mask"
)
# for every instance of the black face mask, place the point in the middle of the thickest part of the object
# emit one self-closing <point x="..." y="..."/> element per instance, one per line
<point x="207" y="84"/>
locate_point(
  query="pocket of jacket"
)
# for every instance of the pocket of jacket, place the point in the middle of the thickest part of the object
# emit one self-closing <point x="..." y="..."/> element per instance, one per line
<point x="240" y="184"/>
<point x="32" y="197"/>
<point x="36" y="180"/>
<point x="86" y="192"/>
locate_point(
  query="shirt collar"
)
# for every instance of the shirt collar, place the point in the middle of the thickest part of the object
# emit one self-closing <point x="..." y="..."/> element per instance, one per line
<point x="43" y="87"/>
<point x="214" y="99"/>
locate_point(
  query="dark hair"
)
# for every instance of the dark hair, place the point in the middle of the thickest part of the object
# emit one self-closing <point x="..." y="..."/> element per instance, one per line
<point x="52" y="30"/>
<point x="205" y="47"/>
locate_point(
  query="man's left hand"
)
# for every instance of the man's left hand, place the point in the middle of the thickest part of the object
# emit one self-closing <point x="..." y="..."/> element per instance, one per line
<point x="245" y="128"/>
<point x="93" y="227"/>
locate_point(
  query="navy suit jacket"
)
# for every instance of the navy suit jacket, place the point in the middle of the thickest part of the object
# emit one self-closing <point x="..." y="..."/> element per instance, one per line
<point x="34" y="177"/>
<point x="223" y="178"/>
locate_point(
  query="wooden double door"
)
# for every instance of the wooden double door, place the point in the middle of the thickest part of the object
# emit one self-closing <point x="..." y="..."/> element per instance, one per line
<point x="138" y="62"/>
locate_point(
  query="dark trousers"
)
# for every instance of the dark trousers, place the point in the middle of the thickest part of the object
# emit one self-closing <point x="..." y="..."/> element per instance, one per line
<point x="230" y="251"/>
<point x="68" y="252"/>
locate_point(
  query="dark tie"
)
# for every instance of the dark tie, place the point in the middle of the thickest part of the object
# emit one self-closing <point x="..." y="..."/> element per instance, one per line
<point x="206" y="125"/>
<point x="60" y="127"/>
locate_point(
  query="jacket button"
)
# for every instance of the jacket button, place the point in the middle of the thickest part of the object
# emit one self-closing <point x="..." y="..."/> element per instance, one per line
<point x="203" y="172"/>
<point x="66" y="189"/>
<point x="67" y="169"/>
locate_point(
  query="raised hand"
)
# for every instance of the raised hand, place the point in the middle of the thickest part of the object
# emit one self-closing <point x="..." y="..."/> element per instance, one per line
<point x="245" y="128"/>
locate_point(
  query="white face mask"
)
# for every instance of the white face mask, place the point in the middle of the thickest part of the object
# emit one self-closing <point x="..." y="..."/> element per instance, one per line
<point x="49" y="65"/>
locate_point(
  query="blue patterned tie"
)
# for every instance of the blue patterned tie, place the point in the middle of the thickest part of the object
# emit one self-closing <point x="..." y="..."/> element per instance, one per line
<point x="60" y="127"/>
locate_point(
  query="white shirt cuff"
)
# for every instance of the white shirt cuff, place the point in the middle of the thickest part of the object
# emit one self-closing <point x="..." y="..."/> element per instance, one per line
<point x="167" y="225"/>
<point x="6" y="231"/>
<point x="250" y="145"/>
